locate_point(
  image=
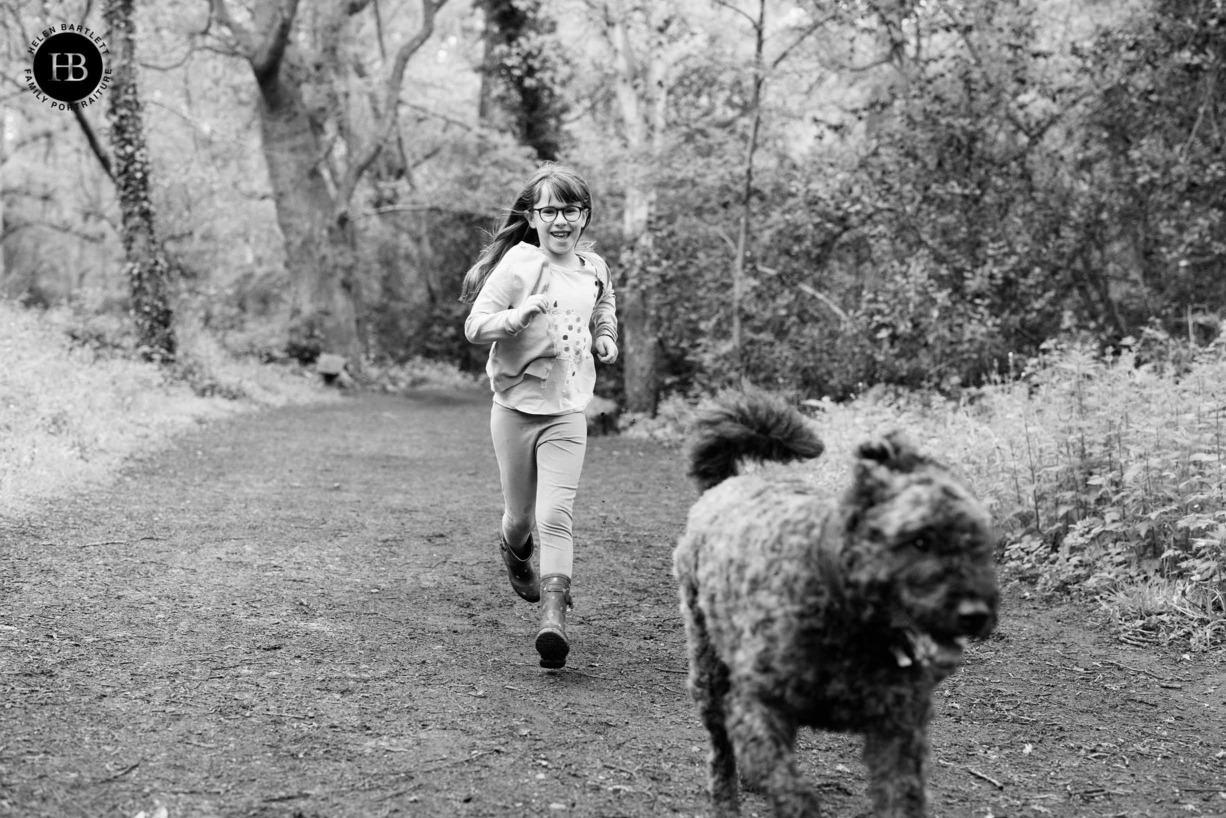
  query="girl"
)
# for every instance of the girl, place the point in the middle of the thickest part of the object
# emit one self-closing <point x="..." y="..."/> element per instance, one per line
<point x="547" y="306"/>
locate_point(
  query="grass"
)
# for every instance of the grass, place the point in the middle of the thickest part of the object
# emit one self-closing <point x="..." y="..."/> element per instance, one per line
<point x="71" y="411"/>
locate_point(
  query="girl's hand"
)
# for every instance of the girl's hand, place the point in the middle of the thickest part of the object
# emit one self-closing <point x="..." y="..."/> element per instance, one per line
<point x="605" y="349"/>
<point x="533" y="306"/>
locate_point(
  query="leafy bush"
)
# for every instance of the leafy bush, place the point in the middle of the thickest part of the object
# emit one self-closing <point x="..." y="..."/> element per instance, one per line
<point x="1117" y="476"/>
<point x="1106" y="473"/>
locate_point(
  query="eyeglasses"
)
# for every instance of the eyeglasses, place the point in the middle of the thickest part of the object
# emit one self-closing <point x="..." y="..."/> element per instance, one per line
<point x="571" y="213"/>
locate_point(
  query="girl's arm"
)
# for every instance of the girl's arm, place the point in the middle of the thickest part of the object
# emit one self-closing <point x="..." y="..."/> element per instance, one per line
<point x="498" y="311"/>
<point x="604" y="314"/>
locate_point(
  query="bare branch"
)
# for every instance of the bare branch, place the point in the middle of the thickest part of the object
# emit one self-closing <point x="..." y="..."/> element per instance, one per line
<point x="14" y="225"/>
<point x="379" y="31"/>
<point x="179" y="63"/>
<point x="804" y="35"/>
<point x="447" y="120"/>
<point x="18" y="86"/>
<point x="869" y="66"/>
<point x="92" y="138"/>
<point x="724" y="4"/>
<point x="433" y="207"/>
<point x="386" y="118"/>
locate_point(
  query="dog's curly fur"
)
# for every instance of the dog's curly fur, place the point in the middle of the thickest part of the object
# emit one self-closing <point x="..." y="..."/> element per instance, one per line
<point x="835" y="613"/>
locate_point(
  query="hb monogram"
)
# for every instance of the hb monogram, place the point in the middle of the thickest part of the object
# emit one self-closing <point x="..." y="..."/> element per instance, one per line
<point x="74" y="63"/>
<point x="68" y="67"/>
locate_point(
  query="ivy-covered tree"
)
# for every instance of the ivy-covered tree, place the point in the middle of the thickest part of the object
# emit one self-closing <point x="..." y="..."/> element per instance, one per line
<point x="521" y="76"/>
<point x="147" y="268"/>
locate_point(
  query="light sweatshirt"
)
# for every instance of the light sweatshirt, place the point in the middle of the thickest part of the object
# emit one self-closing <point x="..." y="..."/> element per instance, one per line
<point x="545" y="367"/>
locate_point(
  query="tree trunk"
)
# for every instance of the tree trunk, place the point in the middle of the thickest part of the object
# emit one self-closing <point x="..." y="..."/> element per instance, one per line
<point x="642" y="98"/>
<point x="320" y="241"/>
<point x="319" y="248"/>
<point x="147" y="268"/>
<point x="518" y="75"/>
<point x="739" y="273"/>
<point x="640" y="339"/>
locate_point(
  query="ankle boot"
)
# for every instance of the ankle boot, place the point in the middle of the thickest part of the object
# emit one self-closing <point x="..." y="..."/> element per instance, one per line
<point x="519" y="569"/>
<point x="551" y="642"/>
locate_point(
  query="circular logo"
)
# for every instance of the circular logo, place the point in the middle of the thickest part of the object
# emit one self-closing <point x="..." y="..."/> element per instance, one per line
<point x="68" y="67"/>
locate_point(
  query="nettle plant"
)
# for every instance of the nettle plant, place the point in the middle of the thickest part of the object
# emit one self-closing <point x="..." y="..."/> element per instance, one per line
<point x="1119" y="486"/>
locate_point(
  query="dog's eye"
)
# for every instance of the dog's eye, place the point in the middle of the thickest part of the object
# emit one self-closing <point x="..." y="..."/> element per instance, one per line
<point x="921" y="543"/>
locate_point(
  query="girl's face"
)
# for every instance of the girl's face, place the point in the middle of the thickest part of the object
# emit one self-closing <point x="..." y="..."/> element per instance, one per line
<point x="559" y="237"/>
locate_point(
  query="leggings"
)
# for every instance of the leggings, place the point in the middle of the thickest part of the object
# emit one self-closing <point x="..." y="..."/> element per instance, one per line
<point x="539" y="461"/>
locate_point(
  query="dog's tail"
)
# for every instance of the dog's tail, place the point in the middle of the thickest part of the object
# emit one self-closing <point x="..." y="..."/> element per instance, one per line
<point x="744" y="427"/>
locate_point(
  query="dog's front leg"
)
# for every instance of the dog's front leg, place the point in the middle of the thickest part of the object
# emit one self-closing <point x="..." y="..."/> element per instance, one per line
<point x="763" y="740"/>
<point x="709" y="687"/>
<point x="897" y="761"/>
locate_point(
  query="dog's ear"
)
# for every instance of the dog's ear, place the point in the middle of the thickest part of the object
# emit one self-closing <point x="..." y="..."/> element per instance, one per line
<point x="878" y="470"/>
<point x="895" y="451"/>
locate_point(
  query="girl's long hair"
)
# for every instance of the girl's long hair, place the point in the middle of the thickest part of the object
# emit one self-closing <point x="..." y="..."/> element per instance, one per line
<point x="567" y="186"/>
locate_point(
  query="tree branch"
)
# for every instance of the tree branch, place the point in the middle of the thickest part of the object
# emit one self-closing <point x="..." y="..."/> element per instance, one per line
<point x="385" y="120"/>
<point x="724" y="4"/>
<point x="92" y="138"/>
<point x="804" y="35"/>
<point x="447" y="120"/>
<point x="379" y="31"/>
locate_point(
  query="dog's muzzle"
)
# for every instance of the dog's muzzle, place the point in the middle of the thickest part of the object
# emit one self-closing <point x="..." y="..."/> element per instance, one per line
<point x="975" y="617"/>
<point x="924" y="650"/>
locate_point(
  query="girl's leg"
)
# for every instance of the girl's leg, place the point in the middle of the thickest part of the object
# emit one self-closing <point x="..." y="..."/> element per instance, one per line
<point x="514" y="434"/>
<point x="560" y="450"/>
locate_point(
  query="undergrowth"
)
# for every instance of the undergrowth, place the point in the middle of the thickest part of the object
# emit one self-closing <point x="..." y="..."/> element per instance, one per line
<point x="74" y="403"/>
<point x="1105" y="474"/>
<point x="1116" y="486"/>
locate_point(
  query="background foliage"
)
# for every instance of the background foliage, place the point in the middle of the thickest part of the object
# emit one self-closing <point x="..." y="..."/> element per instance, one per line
<point x="1013" y="207"/>
<point x="936" y="186"/>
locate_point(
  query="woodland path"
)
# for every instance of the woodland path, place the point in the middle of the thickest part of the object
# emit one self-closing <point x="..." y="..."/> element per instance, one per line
<point x="300" y="613"/>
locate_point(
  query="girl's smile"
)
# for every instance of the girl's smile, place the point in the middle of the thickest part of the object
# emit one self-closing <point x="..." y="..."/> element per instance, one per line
<point x="558" y="238"/>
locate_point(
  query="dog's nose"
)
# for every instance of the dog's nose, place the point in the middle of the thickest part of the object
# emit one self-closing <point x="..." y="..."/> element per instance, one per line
<point x="974" y="616"/>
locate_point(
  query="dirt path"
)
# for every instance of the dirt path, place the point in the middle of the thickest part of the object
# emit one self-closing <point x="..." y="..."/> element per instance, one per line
<point x="300" y="613"/>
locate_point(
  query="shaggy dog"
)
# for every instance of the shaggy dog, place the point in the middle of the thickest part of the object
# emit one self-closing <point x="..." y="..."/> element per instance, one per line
<point x="841" y="614"/>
